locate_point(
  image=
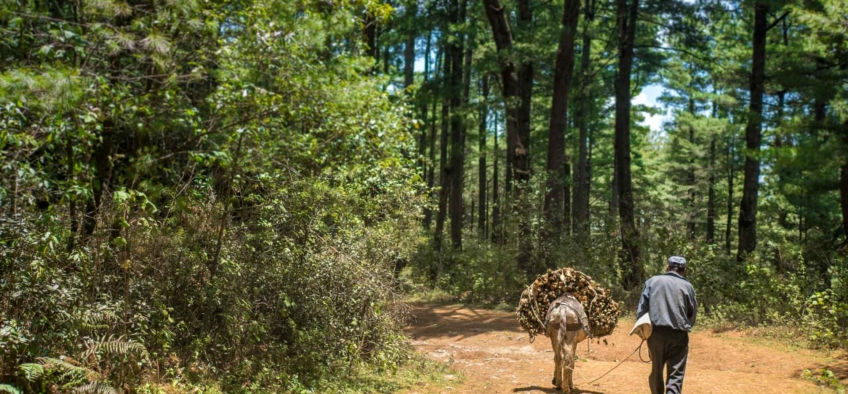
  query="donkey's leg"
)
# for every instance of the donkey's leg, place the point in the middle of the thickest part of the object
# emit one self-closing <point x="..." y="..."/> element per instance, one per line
<point x="556" y="344"/>
<point x="565" y="350"/>
<point x="570" y="364"/>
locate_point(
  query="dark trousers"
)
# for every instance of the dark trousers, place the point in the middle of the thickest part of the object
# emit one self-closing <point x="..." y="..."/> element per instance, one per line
<point x="668" y="348"/>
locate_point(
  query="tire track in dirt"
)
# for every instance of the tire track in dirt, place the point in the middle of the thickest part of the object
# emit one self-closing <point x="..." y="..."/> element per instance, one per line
<point x="495" y="356"/>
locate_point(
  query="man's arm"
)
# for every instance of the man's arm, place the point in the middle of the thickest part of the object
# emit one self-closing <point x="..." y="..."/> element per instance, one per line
<point x="644" y="302"/>
<point x="692" y="312"/>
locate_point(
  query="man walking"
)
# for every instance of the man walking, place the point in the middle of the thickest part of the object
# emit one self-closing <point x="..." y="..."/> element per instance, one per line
<point x="669" y="299"/>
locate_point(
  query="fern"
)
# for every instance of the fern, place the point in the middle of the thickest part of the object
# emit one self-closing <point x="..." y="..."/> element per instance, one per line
<point x="31" y="371"/>
<point x="68" y="370"/>
<point x="115" y="347"/>
<point x="94" y="320"/>
<point x="5" y="388"/>
<point x="95" y="388"/>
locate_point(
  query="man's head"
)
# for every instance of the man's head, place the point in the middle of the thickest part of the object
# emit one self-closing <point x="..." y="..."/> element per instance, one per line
<point x="676" y="264"/>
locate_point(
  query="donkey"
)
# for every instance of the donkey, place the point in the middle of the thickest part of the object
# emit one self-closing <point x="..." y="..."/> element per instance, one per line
<point x="567" y="325"/>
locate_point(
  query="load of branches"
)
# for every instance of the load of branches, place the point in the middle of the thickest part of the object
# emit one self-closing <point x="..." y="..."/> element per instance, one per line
<point x="602" y="310"/>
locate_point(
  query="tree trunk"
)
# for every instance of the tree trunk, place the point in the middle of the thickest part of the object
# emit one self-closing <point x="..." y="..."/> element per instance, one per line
<point x="753" y="137"/>
<point x="497" y="237"/>
<point x="409" y="61"/>
<point x="728" y="228"/>
<point x="711" y="209"/>
<point x="580" y="206"/>
<point x="521" y="149"/>
<point x="422" y="139"/>
<point x="457" y="154"/>
<point x="70" y="156"/>
<point x="843" y="194"/>
<point x="633" y="270"/>
<point x="481" y="161"/>
<point x="557" y="167"/>
<point x="690" y="225"/>
<point x="496" y="15"/>
<point x="445" y="180"/>
<point x="370" y="33"/>
<point x="409" y="49"/>
<point x="431" y="176"/>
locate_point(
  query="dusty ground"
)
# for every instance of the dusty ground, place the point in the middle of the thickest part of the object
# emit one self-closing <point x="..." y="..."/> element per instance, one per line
<point x="494" y="355"/>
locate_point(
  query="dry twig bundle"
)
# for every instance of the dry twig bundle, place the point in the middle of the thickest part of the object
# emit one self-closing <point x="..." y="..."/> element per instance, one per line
<point x="602" y="310"/>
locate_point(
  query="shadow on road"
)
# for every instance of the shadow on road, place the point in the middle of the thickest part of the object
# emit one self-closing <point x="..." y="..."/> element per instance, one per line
<point x="550" y="390"/>
<point x="458" y="321"/>
<point x="838" y="367"/>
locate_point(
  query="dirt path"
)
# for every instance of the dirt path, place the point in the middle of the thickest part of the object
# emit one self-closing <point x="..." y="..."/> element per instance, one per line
<point x="494" y="356"/>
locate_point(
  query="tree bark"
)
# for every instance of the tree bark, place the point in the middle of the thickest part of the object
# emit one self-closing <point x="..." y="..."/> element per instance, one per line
<point x="753" y="137"/>
<point x="580" y="206"/>
<point x="729" y="226"/>
<point x="457" y="154"/>
<point x="521" y="148"/>
<point x="431" y="176"/>
<point x="422" y="139"/>
<point x="409" y="61"/>
<point x="445" y="180"/>
<point x="843" y="194"/>
<point x="555" y="199"/>
<point x="711" y="209"/>
<point x="370" y="32"/>
<point x="630" y="253"/>
<point x="497" y="237"/>
<point x="516" y="153"/>
<point x="481" y="161"/>
<point x="690" y="224"/>
<point x="502" y="35"/>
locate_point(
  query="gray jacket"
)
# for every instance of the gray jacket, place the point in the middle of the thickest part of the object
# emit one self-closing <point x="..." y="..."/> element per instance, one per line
<point x="670" y="299"/>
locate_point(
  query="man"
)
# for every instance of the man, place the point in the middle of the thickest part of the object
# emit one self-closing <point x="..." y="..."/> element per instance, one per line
<point x="669" y="299"/>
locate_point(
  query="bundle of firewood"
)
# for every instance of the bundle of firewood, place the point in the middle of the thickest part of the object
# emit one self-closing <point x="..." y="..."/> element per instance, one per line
<point x="602" y="310"/>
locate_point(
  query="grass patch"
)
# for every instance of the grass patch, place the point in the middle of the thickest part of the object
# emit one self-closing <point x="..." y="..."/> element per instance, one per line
<point x="825" y="378"/>
<point x="416" y="373"/>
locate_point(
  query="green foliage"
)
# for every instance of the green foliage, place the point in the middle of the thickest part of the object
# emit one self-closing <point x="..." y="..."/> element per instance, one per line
<point x="5" y="388"/>
<point x="218" y="189"/>
<point x="824" y="377"/>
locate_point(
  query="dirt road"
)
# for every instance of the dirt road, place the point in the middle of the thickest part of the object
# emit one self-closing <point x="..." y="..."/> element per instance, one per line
<point x="494" y="355"/>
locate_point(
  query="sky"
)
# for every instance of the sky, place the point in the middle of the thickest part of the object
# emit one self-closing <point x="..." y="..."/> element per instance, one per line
<point x="649" y="96"/>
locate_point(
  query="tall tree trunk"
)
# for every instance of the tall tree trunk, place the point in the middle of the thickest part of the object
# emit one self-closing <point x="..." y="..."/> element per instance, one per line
<point x="843" y="194"/>
<point x="633" y="269"/>
<point x="566" y="197"/>
<point x="70" y="156"/>
<point x="580" y="206"/>
<point x="408" y="61"/>
<point x="728" y="228"/>
<point x="370" y="32"/>
<point x="497" y="237"/>
<point x="521" y="156"/>
<point x="457" y="154"/>
<point x="409" y="55"/>
<point x="690" y="224"/>
<point x="753" y="137"/>
<point x="481" y="161"/>
<point x="557" y="167"/>
<point x="711" y="209"/>
<point x="431" y="176"/>
<point x="422" y="139"/>
<point x="502" y="35"/>
<point x="387" y="59"/>
<point x="445" y="180"/>
<point x="521" y="149"/>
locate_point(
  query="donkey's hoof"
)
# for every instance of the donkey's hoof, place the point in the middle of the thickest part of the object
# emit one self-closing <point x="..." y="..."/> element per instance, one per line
<point x="553" y="381"/>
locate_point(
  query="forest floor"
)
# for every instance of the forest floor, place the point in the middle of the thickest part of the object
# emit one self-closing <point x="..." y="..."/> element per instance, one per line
<point x="492" y="354"/>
